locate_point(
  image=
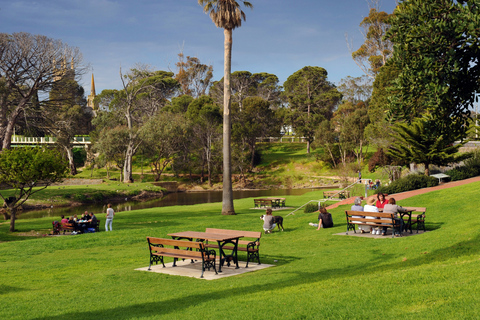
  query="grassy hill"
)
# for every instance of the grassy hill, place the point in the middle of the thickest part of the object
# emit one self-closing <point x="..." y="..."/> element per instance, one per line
<point x="318" y="274"/>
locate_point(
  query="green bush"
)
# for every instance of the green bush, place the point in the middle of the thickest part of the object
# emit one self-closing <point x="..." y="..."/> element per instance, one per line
<point x="80" y="197"/>
<point x="311" y="207"/>
<point x="410" y="182"/>
<point x="471" y="168"/>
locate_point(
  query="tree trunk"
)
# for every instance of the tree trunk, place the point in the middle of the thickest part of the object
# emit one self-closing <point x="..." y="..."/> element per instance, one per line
<point x="71" y="163"/>
<point x="127" y="167"/>
<point x="12" y="119"/>
<point x="227" y="204"/>
<point x="13" y="216"/>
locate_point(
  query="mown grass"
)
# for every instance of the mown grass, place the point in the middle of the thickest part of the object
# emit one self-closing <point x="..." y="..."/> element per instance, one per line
<point x="318" y="274"/>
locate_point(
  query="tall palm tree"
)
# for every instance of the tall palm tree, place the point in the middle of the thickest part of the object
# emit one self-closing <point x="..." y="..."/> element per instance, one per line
<point x="226" y="14"/>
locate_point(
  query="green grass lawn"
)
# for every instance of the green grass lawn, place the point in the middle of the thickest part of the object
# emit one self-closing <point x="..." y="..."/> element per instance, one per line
<point x="317" y="274"/>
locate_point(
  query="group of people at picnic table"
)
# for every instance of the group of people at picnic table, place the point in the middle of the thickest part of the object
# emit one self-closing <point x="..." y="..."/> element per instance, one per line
<point x="87" y="220"/>
<point x="381" y="204"/>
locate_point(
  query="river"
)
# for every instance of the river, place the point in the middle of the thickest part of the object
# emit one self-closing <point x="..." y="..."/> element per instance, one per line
<point x="171" y="199"/>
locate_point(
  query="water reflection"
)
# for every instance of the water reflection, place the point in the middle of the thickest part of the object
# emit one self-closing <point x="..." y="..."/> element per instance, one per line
<point x="172" y="199"/>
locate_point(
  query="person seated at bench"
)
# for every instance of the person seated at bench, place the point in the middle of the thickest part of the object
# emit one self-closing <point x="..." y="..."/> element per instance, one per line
<point x="268" y="224"/>
<point x="92" y="222"/>
<point x="357" y="206"/>
<point x="370" y="207"/>
<point x="324" y="219"/>
<point x="71" y="220"/>
<point x="381" y="201"/>
<point x="392" y="207"/>
<point x="64" y="220"/>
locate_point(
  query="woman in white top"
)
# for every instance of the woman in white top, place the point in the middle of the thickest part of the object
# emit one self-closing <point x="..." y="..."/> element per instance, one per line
<point x="109" y="217"/>
<point x="370" y="207"/>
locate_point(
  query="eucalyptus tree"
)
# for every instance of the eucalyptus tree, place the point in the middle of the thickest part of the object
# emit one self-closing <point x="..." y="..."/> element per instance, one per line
<point x="311" y="98"/>
<point x="162" y="138"/>
<point x="193" y="76"/>
<point x="144" y="93"/>
<point x="29" y="66"/>
<point x="377" y="49"/>
<point x="206" y="121"/>
<point x="255" y="120"/>
<point x="245" y="84"/>
<point x="226" y="14"/>
<point x="66" y="115"/>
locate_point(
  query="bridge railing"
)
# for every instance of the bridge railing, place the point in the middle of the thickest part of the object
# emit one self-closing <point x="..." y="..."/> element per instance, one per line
<point x="46" y="140"/>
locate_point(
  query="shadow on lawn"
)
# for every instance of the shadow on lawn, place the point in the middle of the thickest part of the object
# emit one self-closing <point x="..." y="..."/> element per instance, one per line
<point x="169" y="306"/>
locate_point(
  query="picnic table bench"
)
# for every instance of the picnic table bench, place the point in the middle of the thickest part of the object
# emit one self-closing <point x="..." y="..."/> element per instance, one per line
<point x="180" y="249"/>
<point x="58" y="227"/>
<point x="341" y="194"/>
<point x="372" y="219"/>
<point x="418" y="219"/>
<point x="269" y="202"/>
<point x="250" y="246"/>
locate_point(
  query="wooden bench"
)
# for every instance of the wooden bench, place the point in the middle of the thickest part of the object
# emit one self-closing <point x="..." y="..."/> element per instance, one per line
<point x="418" y="219"/>
<point x="250" y="246"/>
<point x="261" y="203"/>
<point x="180" y="249"/>
<point x="341" y="194"/>
<point x="371" y="219"/>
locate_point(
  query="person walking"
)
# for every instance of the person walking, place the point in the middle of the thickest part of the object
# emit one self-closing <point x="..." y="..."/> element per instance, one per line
<point x="109" y="217"/>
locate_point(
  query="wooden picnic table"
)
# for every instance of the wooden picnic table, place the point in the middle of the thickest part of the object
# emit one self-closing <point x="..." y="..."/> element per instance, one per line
<point x="221" y="239"/>
<point x="269" y="202"/>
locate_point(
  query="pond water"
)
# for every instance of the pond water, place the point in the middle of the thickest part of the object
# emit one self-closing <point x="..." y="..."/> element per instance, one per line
<point x="171" y="199"/>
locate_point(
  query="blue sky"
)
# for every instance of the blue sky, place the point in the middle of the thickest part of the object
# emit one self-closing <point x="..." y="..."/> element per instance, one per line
<point x="279" y="36"/>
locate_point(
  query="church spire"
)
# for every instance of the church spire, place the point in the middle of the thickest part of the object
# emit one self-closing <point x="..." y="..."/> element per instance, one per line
<point x="92" y="89"/>
<point x="91" y="97"/>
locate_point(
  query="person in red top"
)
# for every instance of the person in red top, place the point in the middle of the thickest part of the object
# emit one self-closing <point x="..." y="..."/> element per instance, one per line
<point x="381" y="201"/>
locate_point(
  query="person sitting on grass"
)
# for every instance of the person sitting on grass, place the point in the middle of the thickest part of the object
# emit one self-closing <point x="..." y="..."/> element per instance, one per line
<point x="268" y="224"/>
<point x="324" y="219"/>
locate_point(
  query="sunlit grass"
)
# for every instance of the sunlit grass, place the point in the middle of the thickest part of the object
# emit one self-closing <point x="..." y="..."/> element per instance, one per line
<point x="317" y="275"/>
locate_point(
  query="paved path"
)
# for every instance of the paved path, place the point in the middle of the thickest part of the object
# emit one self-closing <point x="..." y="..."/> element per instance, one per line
<point x="408" y="194"/>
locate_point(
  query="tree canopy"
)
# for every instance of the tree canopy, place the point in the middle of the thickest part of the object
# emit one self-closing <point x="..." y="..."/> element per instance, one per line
<point x="437" y="50"/>
<point x="24" y="169"/>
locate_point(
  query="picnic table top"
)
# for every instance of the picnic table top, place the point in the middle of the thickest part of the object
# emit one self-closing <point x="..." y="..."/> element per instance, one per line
<point x="205" y="235"/>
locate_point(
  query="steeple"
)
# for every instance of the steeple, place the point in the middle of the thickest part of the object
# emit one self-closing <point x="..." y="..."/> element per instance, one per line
<point x="91" y="96"/>
<point x="92" y="89"/>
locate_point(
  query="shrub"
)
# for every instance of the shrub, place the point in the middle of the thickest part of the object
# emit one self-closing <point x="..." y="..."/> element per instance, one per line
<point x="310" y="207"/>
<point x="471" y="168"/>
<point x="80" y="197"/>
<point x="410" y="182"/>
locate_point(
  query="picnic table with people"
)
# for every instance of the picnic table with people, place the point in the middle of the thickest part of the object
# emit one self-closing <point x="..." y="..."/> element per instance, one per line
<point x="380" y="214"/>
<point x="87" y="223"/>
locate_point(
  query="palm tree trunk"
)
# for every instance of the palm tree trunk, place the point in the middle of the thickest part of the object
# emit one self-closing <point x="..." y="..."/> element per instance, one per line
<point x="227" y="204"/>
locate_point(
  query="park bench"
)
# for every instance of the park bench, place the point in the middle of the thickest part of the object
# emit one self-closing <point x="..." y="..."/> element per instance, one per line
<point x="340" y="194"/>
<point x="418" y="219"/>
<point x="261" y="203"/>
<point x="180" y="249"/>
<point x="269" y="202"/>
<point x="380" y="219"/>
<point x="250" y="245"/>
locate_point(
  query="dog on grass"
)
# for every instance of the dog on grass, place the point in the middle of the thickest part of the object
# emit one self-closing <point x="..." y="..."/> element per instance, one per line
<point x="276" y="219"/>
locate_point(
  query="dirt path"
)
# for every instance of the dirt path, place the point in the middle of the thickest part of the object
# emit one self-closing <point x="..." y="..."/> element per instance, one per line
<point x="408" y="194"/>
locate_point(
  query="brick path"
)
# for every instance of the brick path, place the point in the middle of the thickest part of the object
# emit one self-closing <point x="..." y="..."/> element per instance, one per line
<point x="408" y="194"/>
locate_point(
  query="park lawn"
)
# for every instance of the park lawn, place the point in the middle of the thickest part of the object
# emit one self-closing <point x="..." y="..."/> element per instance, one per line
<point x="317" y="275"/>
